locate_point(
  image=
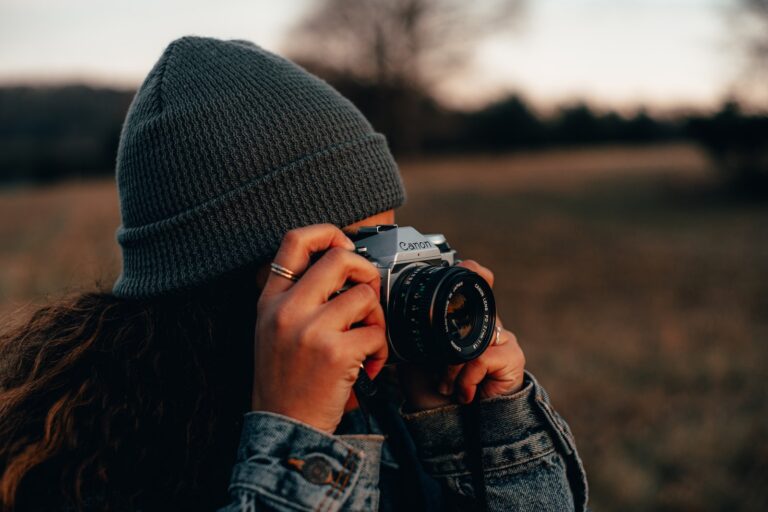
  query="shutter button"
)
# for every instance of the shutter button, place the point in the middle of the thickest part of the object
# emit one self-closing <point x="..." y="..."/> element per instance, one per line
<point x="315" y="469"/>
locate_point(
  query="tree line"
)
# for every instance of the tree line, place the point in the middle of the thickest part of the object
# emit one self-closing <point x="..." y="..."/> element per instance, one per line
<point x="53" y="133"/>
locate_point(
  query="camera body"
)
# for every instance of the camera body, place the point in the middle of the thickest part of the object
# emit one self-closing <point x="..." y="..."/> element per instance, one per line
<point x="435" y="311"/>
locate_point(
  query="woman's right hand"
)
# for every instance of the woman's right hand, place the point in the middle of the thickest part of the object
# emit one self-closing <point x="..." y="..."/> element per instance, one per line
<point x="307" y="357"/>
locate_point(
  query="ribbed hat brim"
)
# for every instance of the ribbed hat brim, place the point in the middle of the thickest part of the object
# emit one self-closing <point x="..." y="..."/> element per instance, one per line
<point x="246" y="224"/>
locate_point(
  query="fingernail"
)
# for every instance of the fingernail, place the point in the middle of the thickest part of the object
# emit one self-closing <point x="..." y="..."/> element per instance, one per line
<point x="350" y="244"/>
<point x="444" y="389"/>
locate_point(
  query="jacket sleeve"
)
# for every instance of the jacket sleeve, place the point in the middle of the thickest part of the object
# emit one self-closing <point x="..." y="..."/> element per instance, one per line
<point x="527" y="450"/>
<point x="283" y="464"/>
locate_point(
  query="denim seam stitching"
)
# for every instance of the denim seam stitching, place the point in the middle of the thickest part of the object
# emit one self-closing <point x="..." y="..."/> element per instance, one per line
<point x="333" y="489"/>
<point x="531" y="458"/>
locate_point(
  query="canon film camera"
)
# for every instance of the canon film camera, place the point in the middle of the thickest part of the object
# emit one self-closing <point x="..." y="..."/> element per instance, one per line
<point x="435" y="311"/>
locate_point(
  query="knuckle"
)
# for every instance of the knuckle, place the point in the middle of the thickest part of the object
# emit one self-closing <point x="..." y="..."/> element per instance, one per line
<point x="379" y="332"/>
<point x="336" y="230"/>
<point x="308" y="336"/>
<point x="338" y="256"/>
<point x="370" y="270"/>
<point x="347" y="260"/>
<point x="292" y="238"/>
<point x="332" y="352"/>
<point x="365" y="293"/>
<point x="281" y="317"/>
<point x="371" y="339"/>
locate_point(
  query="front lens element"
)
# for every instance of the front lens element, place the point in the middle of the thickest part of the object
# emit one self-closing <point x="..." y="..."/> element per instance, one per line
<point x="460" y="317"/>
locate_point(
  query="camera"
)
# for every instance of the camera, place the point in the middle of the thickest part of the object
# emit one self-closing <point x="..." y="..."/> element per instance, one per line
<point x="436" y="312"/>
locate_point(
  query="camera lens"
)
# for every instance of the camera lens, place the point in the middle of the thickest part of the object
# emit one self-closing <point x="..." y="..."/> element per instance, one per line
<point x="440" y="314"/>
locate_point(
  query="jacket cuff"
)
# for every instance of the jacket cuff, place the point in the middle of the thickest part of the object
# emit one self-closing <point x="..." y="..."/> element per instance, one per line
<point x="523" y="429"/>
<point x="288" y="463"/>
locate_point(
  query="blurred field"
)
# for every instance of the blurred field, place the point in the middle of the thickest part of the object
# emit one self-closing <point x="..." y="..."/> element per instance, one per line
<point x="638" y="290"/>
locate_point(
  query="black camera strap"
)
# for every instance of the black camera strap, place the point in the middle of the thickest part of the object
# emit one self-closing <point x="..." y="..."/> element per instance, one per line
<point x="471" y="420"/>
<point x="375" y="402"/>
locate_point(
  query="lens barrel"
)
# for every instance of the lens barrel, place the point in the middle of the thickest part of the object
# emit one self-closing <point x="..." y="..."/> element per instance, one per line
<point x="440" y="314"/>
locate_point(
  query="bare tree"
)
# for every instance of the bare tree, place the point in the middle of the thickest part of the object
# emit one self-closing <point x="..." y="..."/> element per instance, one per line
<point x="749" y="22"/>
<point x="398" y="42"/>
<point x="388" y="55"/>
<point x="757" y="32"/>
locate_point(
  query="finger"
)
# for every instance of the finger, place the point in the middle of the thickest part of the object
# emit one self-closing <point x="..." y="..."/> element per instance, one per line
<point x="501" y="382"/>
<point x="474" y="266"/>
<point x="296" y="248"/>
<point x="504" y="369"/>
<point x="470" y="377"/>
<point x="369" y="346"/>
<point x="449" y="376"/>
<point x="493" y="362"/>
<point x="331" y="271"/>
<point x="357" y="304"/>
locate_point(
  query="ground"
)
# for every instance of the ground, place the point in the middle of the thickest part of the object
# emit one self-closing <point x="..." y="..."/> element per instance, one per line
<point x="638" y="289"/>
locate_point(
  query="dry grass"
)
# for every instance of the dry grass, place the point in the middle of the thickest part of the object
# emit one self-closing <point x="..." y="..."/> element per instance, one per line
<point x="639" y="293"/>
<point x="55" y="239"/>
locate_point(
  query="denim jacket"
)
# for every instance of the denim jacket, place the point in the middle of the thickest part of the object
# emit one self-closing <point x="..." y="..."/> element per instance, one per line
<point x="527" y="451"/>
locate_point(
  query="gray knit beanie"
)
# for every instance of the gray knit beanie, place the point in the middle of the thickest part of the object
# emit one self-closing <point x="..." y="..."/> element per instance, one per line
<point x="225" y="148"/>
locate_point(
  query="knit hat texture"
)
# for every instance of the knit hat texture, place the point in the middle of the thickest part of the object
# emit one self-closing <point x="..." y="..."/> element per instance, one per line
<point x="224" y="149"/>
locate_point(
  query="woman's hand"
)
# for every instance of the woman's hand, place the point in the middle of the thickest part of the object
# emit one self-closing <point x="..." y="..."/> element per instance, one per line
<point x="498" y="371"/>
<point x="306" y="356"/>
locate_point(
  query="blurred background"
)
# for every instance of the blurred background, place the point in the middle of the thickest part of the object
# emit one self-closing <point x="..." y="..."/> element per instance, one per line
<point x="607" y="159"/>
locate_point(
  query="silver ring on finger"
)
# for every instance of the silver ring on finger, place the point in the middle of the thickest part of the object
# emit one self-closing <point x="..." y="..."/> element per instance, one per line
<point x="497" y="339"/>
<point x="284" y="272"/>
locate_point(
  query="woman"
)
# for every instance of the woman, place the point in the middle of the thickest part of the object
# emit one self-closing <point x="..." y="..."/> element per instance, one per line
<point x="205" y="380"/>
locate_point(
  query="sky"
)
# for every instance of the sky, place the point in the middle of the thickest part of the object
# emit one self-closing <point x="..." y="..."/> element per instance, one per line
<point x="624" y="54"/>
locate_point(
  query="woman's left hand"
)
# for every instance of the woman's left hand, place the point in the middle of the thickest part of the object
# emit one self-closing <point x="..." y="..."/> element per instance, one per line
<point x="498" y="371"/>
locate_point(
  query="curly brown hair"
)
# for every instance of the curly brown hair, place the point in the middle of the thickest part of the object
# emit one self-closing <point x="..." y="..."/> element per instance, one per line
<point x="109" y="403"/>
